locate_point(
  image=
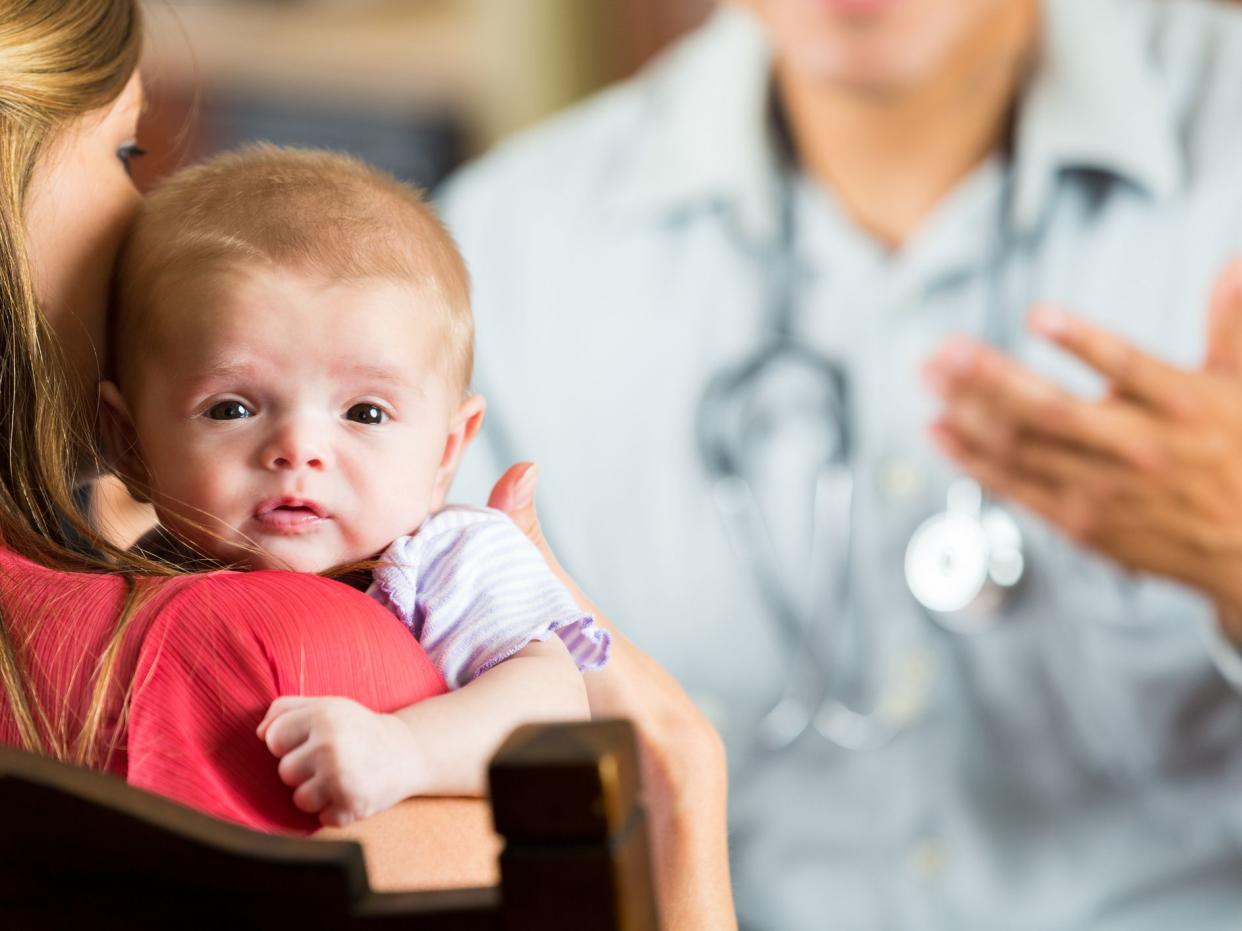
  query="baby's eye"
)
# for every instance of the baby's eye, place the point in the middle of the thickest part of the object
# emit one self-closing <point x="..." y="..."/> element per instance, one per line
<point x="229" y="410"/>
<point x="366" y="413"/>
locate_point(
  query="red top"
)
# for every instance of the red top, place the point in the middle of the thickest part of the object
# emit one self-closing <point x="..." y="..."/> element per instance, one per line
<point x="205" y="656"/>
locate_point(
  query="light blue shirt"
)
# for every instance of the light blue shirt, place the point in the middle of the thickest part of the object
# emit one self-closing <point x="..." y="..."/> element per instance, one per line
<point x="1077" y="766"/>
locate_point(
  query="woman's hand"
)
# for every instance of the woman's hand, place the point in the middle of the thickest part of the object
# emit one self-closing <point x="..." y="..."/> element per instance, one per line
<point x="683" y="757"/>
<point x="1150" y="474"/>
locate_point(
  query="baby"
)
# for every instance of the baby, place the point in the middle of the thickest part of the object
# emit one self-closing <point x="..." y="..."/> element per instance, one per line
<point x="292" y="354"/>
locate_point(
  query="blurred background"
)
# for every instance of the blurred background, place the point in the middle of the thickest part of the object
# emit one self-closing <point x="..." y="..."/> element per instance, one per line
<point x="414" y="86"/>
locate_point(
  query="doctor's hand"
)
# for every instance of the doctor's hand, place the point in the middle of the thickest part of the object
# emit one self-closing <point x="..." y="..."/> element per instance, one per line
<point x="683" y="757"/>
<point x="1150" y="474"/>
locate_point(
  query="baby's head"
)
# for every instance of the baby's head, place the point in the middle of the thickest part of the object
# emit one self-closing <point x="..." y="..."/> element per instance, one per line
<point x="291" y="358"/>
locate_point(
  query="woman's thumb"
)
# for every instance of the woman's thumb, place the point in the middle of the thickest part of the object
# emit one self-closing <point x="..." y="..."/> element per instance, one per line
<point x="514" y="494"/>
<point x="1224" y="343"/>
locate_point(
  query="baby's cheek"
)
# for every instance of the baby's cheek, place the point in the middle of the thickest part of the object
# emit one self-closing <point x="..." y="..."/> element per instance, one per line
<point x="392" y="509"/>
<point x="391" y="492"/>
<point x="201" y="492"/>
<point x="380" y="526"/>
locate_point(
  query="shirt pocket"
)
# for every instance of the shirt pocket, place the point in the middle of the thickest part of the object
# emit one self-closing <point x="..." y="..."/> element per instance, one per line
<point x="1140" y="688"/>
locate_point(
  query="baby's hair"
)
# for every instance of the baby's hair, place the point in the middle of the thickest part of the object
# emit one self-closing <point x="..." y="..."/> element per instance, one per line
<point x="310" y="211"/>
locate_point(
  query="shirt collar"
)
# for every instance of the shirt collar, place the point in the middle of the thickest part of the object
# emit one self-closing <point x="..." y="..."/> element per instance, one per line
<point x="706" y="137"/>
<point x="1093" y="101"/>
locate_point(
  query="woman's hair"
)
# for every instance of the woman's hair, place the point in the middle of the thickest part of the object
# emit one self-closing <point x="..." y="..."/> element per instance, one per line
<point x="59" y="60"/>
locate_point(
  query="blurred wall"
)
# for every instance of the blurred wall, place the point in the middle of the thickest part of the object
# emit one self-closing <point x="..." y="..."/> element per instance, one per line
<point x="413" y="85"/>
<point x="646" y="26"/>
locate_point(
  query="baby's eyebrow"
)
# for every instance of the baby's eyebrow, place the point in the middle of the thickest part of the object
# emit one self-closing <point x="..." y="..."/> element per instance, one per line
<point x="223" y="371"/>
<point x="215" y="376"/>
<point x="403" y="376"/>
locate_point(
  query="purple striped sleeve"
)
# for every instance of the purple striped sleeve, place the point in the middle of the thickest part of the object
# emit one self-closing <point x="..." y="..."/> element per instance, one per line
<point x="475" y="590"/>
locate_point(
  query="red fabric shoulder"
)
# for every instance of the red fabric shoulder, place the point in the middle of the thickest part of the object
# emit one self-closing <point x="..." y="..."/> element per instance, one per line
<point x="220" y="649"/>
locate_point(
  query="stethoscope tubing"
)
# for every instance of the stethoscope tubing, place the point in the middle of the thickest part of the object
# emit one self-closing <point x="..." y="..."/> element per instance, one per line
<point x="800" y="708"/>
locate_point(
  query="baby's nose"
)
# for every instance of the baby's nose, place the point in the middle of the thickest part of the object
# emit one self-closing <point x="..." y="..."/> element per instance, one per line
<point x="295" y="447"/>
<point x="293" y="461"/>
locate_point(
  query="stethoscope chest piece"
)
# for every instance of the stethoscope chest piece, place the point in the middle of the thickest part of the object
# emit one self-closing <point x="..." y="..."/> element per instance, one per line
<point x="962" y="563"/>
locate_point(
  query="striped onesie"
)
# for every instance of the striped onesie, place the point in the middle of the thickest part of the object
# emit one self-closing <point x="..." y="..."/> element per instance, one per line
<point x="474" y="591"/>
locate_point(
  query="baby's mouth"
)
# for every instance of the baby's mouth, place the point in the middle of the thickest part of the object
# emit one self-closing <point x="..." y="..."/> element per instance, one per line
<point x="289" y="514"/>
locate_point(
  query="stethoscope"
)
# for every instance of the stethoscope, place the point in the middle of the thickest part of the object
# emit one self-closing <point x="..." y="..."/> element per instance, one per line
<point x="961" y="564"/>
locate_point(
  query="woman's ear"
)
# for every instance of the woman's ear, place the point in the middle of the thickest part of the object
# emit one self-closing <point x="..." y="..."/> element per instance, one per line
<point x="119" y="440"/>
<point x="463" y="428"/>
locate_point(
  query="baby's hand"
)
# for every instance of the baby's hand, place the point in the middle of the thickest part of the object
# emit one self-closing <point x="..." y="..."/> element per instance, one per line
<point x="342" y="760"/>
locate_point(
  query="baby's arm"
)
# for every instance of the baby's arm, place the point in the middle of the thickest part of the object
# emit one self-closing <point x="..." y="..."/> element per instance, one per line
<point x="347" y="762"/>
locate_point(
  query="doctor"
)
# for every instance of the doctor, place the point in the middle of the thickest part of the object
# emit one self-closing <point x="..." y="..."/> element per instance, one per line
<point x="842" y="212"/>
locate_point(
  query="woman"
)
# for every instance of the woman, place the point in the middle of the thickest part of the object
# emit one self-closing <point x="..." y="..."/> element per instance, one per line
<point x="162" y="680"/>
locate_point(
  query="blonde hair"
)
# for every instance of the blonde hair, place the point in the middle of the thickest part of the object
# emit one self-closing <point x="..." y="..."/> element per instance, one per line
<point x="59" y="60"/>
<point x="306" y="210"/>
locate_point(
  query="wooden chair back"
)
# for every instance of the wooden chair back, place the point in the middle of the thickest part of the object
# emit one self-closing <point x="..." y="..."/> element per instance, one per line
<point x="84" y="850"/>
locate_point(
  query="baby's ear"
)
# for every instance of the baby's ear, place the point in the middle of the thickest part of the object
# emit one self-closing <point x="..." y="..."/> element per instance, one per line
<point x="464" y="427"/>
<point x="120" y="441"/>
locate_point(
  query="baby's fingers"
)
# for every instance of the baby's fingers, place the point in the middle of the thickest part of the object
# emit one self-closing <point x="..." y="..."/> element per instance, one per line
<point x="288" y="731"/>
<point x="312" y="796"/>
<point x="317" y="796"/>
<point x="335" y="816"/>
<point x="298" y="766"/>
<point x="279" y="707"/>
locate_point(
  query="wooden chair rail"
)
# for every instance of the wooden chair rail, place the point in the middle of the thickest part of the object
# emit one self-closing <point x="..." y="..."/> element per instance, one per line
<point x="83" y="849"/>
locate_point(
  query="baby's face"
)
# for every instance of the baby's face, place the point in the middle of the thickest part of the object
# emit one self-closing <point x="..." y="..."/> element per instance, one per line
<point x="305" y="417"/>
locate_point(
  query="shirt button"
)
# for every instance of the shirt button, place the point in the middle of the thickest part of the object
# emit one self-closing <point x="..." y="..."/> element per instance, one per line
<point x="900" y="480"/>
<point x="927" y="859"/>
<point x="907" y="697"/>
